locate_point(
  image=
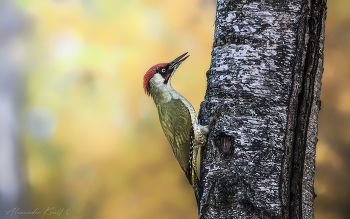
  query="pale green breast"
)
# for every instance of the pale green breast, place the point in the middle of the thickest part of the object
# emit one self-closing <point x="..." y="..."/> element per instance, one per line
<point x="175" y="120"/>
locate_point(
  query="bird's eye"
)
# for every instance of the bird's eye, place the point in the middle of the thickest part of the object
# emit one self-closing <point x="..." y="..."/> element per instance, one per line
<point x="163" y="70"/>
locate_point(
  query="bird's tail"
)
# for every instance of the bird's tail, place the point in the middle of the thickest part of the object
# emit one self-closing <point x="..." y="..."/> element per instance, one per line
<point x="189" y="172"/>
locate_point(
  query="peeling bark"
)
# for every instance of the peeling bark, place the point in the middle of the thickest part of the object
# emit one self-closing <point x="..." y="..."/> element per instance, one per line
<point x="266" y="70"/>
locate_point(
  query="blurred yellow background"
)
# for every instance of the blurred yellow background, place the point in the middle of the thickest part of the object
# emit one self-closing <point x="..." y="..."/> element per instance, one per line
<point x="91" y="137"/>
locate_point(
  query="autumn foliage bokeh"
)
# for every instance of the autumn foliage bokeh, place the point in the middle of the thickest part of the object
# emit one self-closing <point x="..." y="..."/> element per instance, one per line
<point x="91" y="137"/>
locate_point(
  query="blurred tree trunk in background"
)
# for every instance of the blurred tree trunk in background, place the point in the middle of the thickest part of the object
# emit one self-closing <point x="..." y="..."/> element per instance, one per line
<point x="11" y="156"/>
<point x="266" y="70"/>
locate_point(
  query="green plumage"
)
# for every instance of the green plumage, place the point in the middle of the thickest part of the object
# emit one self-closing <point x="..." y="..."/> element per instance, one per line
<point x="175" y="120"/>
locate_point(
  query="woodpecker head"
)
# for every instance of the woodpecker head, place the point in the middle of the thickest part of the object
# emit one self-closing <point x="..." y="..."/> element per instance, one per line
<point x="162" y="73"/>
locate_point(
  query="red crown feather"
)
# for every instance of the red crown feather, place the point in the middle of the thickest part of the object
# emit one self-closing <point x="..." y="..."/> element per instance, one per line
<point x="149" y="74"/>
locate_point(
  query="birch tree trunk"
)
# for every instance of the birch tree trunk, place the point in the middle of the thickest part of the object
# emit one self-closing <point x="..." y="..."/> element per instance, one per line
<point x="266" y="70"/>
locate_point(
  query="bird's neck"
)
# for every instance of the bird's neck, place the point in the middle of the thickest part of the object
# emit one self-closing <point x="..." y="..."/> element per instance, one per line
<point x="162" y="93"/>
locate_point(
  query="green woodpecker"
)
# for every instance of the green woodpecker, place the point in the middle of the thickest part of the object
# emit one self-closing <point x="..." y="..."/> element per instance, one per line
<point x="177" y="117"/>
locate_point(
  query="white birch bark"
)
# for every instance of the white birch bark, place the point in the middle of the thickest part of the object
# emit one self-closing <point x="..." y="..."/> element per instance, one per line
<point x="266" y="70"/>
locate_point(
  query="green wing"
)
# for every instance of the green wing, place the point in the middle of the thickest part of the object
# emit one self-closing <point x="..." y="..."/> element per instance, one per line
<point x="175" y="120"/>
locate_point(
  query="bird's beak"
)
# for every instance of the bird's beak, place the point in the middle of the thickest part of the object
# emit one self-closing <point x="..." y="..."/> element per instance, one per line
<point x="177" y="62"/>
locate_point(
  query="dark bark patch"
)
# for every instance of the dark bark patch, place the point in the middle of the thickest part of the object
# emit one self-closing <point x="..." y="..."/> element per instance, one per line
<point x="226" y="187"/>
<point x="226" y="145"/>
<point x="298" y="166"/>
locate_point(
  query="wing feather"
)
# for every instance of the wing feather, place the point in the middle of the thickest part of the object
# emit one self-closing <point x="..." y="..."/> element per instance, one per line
<point x="175" y="120"/>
